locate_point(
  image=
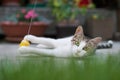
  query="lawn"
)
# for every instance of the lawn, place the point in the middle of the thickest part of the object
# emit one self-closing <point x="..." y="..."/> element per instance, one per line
<point x="96" y="67"/>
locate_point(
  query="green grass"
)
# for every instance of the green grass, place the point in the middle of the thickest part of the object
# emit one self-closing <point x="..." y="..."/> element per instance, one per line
<point x="96" y="67"/>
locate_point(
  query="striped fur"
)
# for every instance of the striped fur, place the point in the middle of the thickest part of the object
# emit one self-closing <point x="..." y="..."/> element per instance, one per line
<point x="105" y="45"/>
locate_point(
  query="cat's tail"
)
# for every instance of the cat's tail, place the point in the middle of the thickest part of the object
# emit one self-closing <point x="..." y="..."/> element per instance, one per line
<point x="105" y="45"/>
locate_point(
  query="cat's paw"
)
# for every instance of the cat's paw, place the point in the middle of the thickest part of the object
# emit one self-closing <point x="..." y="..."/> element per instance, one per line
<point x="29" y="37"/>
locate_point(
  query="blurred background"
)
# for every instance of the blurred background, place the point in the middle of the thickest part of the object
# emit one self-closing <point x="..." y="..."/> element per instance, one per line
<point x="57" y="19"/>
<point x="60" y="17"/>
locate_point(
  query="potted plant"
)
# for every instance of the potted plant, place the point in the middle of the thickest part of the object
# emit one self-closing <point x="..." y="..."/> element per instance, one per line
<point x="100" y="25"/>
<point x="65" y="13"/>
<point x="22" y="23"/>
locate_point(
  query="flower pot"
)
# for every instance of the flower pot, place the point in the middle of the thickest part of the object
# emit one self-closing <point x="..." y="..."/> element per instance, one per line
<point x="118" y="20"/>
<point x="65" y="31"/>
<point x="66" y="28"/>
<point x="11" y="2"/>
<point x="100" y="27"/>
<point x="16" y="31"/>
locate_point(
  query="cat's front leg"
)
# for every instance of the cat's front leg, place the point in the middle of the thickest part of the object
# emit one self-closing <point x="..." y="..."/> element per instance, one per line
<point x="35" y="51"/>
<point x="48" y="42"/>
<point x="31" y="38"/>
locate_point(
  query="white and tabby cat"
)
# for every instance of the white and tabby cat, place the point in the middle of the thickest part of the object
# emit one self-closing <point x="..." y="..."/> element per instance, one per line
<point x="74" y="46"/>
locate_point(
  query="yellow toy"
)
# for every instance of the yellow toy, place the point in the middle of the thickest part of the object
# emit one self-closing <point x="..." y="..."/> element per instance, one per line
<point x="24" y="43"/>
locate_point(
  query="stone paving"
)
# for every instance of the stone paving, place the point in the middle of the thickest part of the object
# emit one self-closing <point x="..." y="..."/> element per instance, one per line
<point x="11" y="49"/>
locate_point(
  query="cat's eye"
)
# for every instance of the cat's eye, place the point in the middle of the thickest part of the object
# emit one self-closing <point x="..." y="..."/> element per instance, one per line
<point x="85" y="48"/>
<point x="77" y="43"/>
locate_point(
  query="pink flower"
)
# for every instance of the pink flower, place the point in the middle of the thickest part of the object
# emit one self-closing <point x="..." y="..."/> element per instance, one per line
<point x="32" y="14"/>
<point x="23" y="11"/>
<point x="27" y="17"/>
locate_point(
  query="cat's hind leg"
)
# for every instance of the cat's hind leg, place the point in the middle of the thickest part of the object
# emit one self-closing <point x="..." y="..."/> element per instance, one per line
<point x="35" y="51"/>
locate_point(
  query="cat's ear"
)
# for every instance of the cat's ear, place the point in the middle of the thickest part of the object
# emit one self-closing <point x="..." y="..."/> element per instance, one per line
<point x="78" y="36"/>
<point x="96" y="40"/>
<point x="79" y="30"/>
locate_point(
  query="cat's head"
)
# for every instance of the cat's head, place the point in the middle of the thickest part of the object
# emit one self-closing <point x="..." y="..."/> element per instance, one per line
<point x="83" y="46"/>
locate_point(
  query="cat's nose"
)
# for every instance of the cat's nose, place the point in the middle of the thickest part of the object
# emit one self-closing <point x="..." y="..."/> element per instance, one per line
<point x="82" y="53"/>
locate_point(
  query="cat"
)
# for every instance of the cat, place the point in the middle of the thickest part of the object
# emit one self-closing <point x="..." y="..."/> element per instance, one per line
<point x="74" y="46"/>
